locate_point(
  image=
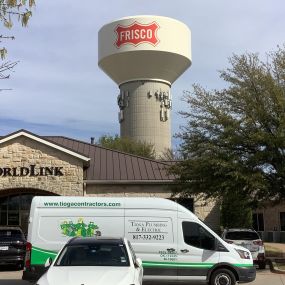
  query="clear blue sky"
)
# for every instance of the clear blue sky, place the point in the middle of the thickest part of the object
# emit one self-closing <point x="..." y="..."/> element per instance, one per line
<point x="58" y="88"/>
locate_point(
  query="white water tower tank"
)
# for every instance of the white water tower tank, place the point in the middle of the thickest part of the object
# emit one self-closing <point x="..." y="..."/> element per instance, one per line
<point x="144" y="55"/>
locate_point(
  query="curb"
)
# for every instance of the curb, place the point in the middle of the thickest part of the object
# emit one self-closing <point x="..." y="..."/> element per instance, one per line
<point x="273" y="266"/>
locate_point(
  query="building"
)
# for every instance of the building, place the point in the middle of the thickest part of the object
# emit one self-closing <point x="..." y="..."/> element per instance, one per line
<point x="269" y="221"/>
<point x="33" y="165"/>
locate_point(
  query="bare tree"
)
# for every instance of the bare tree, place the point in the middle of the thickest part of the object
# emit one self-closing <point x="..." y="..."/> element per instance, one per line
<point x="10" y="10"/>
<point x="6" y="68"/>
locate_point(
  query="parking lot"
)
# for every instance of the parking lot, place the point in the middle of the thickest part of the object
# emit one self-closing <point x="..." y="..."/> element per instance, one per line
<point x="264" y="277"/>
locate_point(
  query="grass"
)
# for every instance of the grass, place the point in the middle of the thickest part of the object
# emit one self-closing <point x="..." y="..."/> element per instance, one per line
<point x="280" y="265"/>
<point x="277" y="254"/>
<point x="271" y="251"/>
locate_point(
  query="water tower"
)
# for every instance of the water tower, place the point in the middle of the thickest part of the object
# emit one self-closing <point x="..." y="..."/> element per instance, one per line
<point x="144" y="55"/>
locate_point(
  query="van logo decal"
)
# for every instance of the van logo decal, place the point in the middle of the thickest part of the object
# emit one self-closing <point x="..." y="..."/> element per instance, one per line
<point x="149" y="230"/>
<point x="79" y="229"/>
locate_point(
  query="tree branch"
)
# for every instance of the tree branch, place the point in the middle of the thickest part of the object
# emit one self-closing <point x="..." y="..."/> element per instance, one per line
<point x="7" y="66"/>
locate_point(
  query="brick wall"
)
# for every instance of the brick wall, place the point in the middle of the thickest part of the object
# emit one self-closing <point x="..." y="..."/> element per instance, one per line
<point x="209" y="212"/>
<point x="23" y="152"/>
<point x="271" y="215"/>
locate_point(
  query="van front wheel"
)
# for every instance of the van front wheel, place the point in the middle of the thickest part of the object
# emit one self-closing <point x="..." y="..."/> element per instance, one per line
<point x="223" y="277"/>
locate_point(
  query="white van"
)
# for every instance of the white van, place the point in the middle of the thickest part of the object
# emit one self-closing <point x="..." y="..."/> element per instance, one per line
<point x="171" y="241"/>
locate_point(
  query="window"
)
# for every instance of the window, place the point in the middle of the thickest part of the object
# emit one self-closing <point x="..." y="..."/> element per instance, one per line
<point x="93" y="254"/>
<point x="258" y="222"/>
<point x="242" y="235"/>
<point x="14" y="210"/>
<point x="11" y="233"/>
<point x="195" y="235"/>
<point x="282" y="221"/>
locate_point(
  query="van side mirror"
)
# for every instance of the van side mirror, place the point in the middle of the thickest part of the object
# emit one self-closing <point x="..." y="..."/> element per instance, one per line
<point x="48" y="262"/>
<point x="138" y="262"/>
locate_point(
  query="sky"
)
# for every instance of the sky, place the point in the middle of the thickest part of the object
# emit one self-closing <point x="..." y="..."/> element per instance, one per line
<point x="57" y="87"/>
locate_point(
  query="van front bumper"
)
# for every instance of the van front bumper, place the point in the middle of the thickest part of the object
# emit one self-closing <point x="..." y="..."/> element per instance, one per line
<point x="246" y="274"/>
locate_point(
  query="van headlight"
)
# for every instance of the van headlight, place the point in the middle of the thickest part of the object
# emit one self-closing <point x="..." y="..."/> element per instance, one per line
<point x="243" y="254"/>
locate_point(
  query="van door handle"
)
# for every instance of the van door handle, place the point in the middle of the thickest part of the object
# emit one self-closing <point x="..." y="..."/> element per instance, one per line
<point x="184" y="250"/>
<point x="171" y="249"/>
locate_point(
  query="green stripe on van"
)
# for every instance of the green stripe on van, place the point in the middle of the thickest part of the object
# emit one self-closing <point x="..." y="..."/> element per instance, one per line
<point x="39" y="255"/>
<point x="176" y="264"/>
<point x="243" y="265"/>
<point x="148" y="264"/>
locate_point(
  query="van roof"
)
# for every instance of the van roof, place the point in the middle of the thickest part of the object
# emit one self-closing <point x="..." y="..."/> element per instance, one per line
<point x="107" y="202"/>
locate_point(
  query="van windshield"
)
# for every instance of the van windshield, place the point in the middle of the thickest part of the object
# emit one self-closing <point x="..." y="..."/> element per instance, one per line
<point x="102" y="254"/>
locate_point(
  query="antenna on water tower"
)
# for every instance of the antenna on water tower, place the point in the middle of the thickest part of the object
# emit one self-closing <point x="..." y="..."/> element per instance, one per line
<point x="144" y="55"/>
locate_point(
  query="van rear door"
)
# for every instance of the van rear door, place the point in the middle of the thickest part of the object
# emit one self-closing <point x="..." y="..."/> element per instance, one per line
<point x="196" y="250"/>
<point x="153" y="235"/>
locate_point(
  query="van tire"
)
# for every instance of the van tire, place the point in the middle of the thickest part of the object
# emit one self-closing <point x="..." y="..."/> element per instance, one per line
<point x="223" y="277"/>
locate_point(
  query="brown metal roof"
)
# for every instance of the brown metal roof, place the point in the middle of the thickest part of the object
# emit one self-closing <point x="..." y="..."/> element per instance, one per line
<point x="112" y="165"/>
<point x="107" y="165"/>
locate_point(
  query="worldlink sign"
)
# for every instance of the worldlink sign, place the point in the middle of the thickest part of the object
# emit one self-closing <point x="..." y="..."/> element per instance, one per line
<point x="31" y="170"/>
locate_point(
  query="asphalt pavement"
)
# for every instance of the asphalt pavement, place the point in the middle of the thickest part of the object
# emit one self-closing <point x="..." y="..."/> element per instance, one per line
<point x="264" y="277"/>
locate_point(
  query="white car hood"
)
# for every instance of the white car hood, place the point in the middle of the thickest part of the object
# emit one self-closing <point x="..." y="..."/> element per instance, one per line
<point x="77" y="275"/>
